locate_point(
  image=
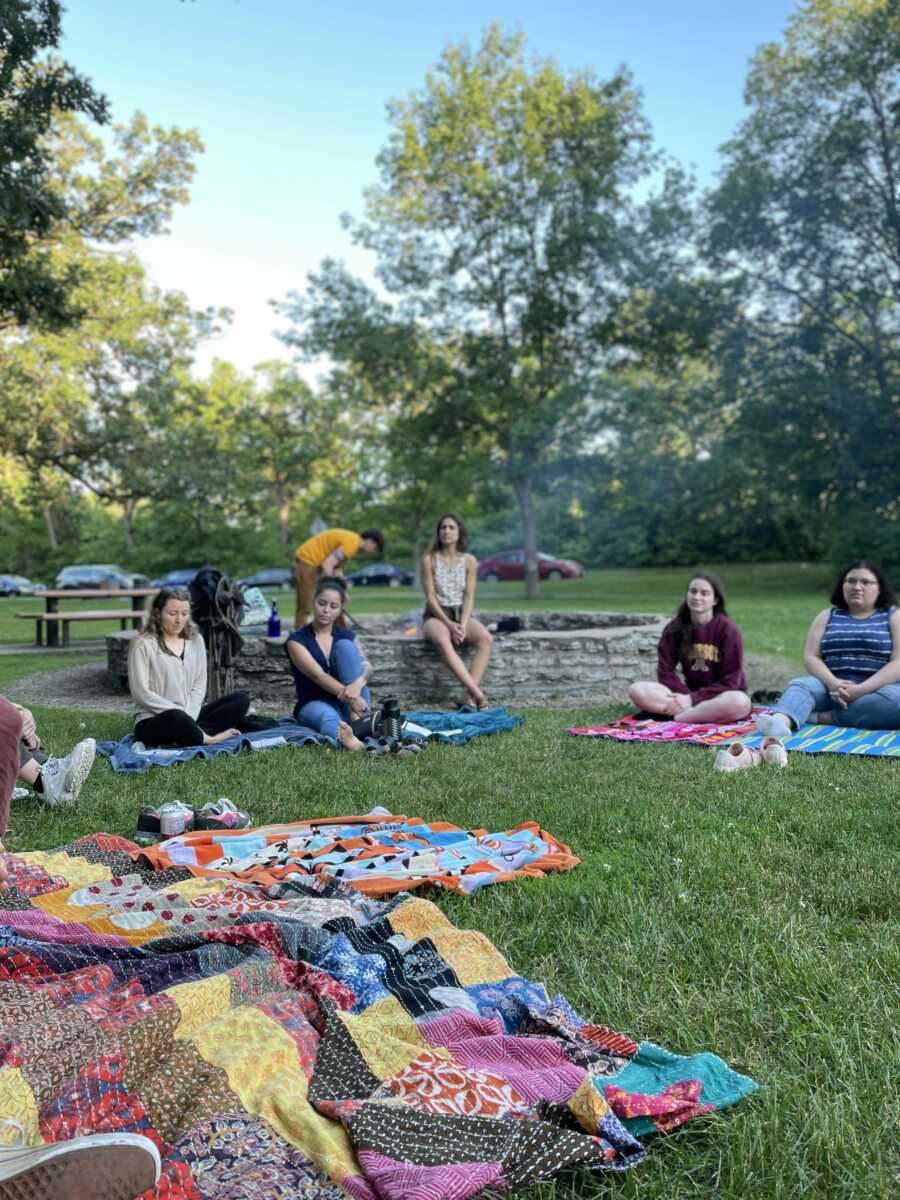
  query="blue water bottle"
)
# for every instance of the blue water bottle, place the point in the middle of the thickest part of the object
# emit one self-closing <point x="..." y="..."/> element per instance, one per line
<point x="274" y="621"/>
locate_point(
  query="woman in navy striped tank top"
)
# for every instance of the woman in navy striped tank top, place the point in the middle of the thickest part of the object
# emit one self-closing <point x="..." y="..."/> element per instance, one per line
<point x="852" y="655"/>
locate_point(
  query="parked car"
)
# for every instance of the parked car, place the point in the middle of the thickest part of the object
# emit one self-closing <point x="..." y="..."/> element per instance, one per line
<point x="99" y="575"/>
<point x="270" y="577"/>
<point x="18" y="585"/>
<point x="381" y="575"/>
<point x="510" y="564"/>
<point x="179" y="577"/>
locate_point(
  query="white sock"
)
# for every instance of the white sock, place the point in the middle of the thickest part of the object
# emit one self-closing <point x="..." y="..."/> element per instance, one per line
<point x="774" y="725"/>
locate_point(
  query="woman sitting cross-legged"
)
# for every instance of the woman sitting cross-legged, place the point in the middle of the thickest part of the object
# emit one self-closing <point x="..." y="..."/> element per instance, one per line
<point x="704" y="641"/>
<point x="852" y="655"/>
<point x="167" y="681"/>
<point x="448" y="577"/>
<point x="328" y="669"/>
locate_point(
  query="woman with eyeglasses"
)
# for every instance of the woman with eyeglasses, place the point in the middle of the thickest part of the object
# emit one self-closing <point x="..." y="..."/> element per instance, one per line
<point x="852" y="655"/>
<point x="167" y="681"/>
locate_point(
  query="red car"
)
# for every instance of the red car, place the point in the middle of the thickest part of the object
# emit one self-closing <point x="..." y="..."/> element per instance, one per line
<point x="510" y="564"/>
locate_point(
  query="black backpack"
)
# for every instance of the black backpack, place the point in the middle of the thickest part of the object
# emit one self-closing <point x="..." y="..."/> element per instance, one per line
<point x="217" y="606"/>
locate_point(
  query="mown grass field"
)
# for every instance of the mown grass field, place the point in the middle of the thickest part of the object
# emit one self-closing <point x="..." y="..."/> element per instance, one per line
<point x="753" y="914"/>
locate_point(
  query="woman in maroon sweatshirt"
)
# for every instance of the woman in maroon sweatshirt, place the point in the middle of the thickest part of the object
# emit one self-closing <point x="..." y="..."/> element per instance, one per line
<point x="706" y="644"/>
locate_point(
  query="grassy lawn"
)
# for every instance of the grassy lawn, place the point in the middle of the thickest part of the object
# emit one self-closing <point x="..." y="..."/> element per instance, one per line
<point x="752" y="914"/>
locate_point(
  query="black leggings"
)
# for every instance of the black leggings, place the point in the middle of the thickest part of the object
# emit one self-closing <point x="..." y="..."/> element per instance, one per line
<point x="175" y="727"/>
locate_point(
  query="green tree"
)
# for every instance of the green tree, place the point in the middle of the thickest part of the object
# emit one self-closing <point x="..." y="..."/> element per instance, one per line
<point x="806" y="221"/>
<point x="33" y="90"/>
<point x="497" y="224"/>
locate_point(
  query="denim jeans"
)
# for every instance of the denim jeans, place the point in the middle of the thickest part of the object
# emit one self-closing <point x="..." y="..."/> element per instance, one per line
<point x="324" y="716"/>
<point x="806" y="695"/>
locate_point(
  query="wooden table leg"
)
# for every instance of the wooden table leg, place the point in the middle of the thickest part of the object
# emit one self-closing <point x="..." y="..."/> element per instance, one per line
<point x="52" y="626"/>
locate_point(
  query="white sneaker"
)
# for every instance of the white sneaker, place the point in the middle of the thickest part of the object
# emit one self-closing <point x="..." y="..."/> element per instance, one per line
<point x="736" y="757"/>
<point x="773" y="725"/>
<point x="773" y="752"/>
<point x="108" y="1166"/>
<point x="62" y="778"/>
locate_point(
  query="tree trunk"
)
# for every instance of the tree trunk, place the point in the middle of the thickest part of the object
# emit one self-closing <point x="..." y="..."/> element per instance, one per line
<point x="522" y="486"/>
<point x="128" y="527"/>
<point x="47" y="513"/>
<point x="284" y="517"/>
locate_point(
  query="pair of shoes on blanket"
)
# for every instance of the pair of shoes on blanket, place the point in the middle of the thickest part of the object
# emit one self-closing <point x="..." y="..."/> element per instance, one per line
<point x="102" y="1166"/>
<point x="738" y="757"/>
<point x="218" y="814"/>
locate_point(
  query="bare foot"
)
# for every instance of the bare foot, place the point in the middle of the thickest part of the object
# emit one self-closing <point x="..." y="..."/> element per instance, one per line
<point x="348" y="738"/>
<point x="214" y="738"/>
<point x="477" y="698"/>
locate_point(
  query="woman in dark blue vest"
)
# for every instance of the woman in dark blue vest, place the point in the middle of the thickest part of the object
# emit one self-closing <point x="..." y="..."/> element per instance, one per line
<point x="328" y="669"/>
<point x="852" y="655"/>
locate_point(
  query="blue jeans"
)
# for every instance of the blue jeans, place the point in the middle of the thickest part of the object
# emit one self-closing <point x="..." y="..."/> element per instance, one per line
<point x="324" y="716"/>
<point x="806" y="695"/>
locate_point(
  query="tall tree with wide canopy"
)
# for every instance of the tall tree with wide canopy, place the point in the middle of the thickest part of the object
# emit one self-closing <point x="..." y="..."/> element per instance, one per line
<point x="33" y="90"/>
<point x="496" y="224"/>
<point x="806" y="217"/>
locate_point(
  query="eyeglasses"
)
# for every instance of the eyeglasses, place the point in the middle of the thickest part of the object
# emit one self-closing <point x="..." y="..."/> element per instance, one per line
<point x="853" y="581"/>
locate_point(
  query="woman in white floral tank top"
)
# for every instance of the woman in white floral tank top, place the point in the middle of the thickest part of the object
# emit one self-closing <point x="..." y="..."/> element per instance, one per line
<point x="448" y="576"/>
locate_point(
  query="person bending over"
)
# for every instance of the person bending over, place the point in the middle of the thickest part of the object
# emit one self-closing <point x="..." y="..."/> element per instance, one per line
<point x="328" y="669"/>
<point x="448" y="576"/>
<point x="323" y="556"/>
<point x="167" y="681"/>
<point x="852" y="654"/>
<point x="706" y="644"/>
<point x="56" y="780"/>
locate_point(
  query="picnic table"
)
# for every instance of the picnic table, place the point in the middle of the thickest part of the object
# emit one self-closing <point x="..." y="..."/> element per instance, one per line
<point x="53" y="618"/>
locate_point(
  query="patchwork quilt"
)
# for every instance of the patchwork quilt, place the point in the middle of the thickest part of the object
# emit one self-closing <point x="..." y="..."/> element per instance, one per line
<point x="651" y="729"/>
<point x="378" y="854"/>
<point x="307" y="1040"/>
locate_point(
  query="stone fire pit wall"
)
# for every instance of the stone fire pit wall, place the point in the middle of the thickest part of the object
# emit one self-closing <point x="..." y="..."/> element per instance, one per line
<point x="558" y="658"/>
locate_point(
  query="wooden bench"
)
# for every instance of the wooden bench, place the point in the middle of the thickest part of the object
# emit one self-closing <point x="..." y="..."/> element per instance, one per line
<point x="122" y="615"/>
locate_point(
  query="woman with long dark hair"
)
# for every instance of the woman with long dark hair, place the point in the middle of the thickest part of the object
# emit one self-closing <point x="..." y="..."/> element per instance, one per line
<point x="704" y="642"/>
<point x="328" y="669"/>
<point x="449" y="574"/>
<point x="852" y="654"/>
<point x="167" y="681"/>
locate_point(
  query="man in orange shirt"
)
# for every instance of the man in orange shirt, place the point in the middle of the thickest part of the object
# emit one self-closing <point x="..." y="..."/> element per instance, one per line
<point x="325" y="554"/>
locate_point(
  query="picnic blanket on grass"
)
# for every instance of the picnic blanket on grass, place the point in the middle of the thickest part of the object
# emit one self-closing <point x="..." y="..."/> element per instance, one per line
<point x="466" y="723"/>
<point x="307" y="1040"/>
<point x="809" y="739"/>
<point x="133" y="757"/>
<point x="651" y="729"/>
<point x="377" y="854"/>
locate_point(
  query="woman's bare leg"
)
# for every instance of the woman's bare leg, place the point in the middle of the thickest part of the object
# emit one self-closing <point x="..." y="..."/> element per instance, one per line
<point x="438" y="633"/>
<point x="29" y="771"/>
<point x="651" y="697"/>
<point x="480" y="638"/>
<point x="727" y="706"/>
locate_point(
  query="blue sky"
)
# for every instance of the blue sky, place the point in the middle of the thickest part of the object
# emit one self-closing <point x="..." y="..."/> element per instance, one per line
<point x="289" y="97"/>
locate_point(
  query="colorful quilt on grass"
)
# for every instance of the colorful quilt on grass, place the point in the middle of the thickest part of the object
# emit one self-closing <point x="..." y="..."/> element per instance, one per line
<point x="377" y="854"/>
<point x="306" y="1040"/>
<point x="809" y="739"/>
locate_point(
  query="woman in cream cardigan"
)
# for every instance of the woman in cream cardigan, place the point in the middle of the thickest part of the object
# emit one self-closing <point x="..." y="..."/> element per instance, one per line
<point x="167" y="681"/>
